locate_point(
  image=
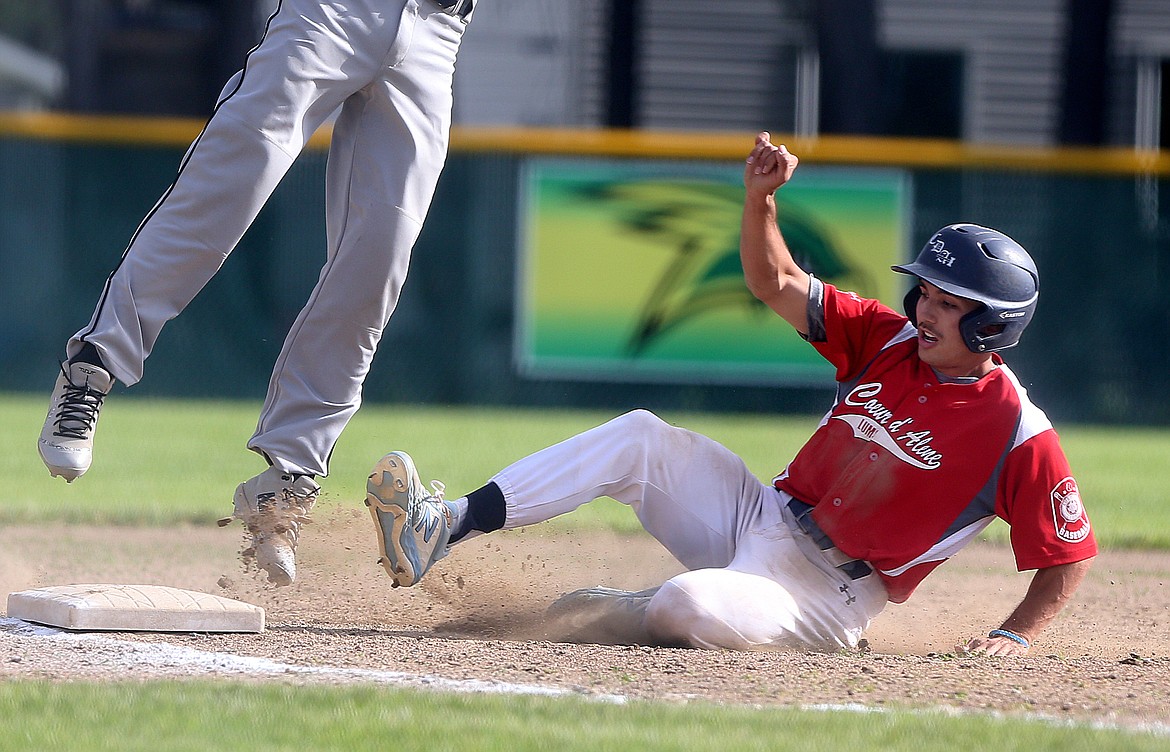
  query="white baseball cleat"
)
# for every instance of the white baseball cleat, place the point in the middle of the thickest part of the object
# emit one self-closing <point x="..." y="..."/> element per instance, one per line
<point x="413" y="524"/>
<point x="66" y="441"/>
<point x="273" y="506"/>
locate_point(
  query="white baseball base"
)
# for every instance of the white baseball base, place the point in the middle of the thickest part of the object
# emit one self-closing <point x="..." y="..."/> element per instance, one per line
<point x="134" y="608"/>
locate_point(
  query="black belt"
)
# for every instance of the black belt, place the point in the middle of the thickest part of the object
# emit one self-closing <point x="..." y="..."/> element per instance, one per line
<point x="854" y="569"/>
<point x="461" y="9"/>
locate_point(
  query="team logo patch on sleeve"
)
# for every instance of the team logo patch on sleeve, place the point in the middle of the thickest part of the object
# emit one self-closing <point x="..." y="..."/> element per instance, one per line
<point x="1068" y="513"/>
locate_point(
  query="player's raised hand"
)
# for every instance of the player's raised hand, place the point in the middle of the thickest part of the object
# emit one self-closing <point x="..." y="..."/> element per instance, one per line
<point x="768" y="166"/>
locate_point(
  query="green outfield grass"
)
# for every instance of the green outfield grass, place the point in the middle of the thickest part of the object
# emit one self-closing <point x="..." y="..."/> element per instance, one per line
<point x="202" y="716"/>
<point x="161" y="461"/>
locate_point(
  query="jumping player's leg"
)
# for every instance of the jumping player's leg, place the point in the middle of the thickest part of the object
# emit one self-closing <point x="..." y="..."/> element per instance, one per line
<point x="389" y="147"/>
<point x="291" y="82"/>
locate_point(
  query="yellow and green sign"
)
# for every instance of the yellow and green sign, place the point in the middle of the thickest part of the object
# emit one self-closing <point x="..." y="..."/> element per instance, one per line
<point x="630" y="270"/>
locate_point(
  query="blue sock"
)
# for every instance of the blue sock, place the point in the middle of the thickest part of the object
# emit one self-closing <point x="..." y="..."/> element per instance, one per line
<point x="485" y="512"/>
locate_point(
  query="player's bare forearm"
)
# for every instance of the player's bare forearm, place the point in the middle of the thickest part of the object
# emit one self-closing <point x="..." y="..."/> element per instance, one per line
<point x="769" y="269"/>
<point x="1050" y="591"/>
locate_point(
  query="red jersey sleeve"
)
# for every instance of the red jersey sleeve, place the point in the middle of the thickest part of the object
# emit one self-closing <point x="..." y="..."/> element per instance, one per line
<point x="855" y="329"/>
<point x="1040" y="500"/>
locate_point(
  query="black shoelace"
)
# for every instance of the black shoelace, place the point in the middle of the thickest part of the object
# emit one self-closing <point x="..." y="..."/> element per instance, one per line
<point x="79" y="409"/>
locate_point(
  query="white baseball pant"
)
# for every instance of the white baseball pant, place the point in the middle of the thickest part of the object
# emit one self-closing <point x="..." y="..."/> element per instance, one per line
<point x="388" y="65"/>
<point x="756" y="580"/>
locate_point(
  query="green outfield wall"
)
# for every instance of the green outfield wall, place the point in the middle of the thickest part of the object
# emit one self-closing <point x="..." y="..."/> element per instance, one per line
<point x="596" y="268"/>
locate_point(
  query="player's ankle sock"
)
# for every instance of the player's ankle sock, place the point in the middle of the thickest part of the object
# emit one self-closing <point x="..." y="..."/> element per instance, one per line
<point x="458" y="510"/>
<point x="88" y="354"/>
<point x="485" y="512"/>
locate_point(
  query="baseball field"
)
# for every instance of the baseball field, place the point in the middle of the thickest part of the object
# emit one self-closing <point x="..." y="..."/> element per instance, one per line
<point x="466" y="660"/>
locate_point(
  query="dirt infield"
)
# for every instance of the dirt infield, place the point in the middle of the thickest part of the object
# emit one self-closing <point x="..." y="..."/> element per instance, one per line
<point x="479" y="617"/>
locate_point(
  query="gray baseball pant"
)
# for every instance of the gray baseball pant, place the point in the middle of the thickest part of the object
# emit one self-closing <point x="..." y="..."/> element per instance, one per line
<point x="388" y="66"/>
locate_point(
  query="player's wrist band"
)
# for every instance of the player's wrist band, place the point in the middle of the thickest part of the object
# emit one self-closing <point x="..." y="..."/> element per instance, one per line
<point x="1010" y="635"/>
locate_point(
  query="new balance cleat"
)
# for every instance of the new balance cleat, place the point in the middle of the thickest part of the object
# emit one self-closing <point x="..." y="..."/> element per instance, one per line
<point x="273" y="506"/>
<point x="66" y="441"/>
<point x="413" y="524"/>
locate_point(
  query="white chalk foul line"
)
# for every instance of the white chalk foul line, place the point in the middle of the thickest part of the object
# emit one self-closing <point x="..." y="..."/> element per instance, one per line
<point x="180" y="660"/>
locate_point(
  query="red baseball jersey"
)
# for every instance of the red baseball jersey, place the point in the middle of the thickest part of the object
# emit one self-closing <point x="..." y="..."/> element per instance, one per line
<point x="907" y="468"/>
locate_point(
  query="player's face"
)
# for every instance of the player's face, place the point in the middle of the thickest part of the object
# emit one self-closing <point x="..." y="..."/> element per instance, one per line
<point x="940" y="344"/>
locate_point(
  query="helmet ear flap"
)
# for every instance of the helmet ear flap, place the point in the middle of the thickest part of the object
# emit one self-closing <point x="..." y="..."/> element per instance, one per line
<point x="974" y="328"/>
<point x="910" y="304"/>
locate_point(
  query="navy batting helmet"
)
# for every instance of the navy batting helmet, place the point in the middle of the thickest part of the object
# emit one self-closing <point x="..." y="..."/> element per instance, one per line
<point x="986" y="266"/>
